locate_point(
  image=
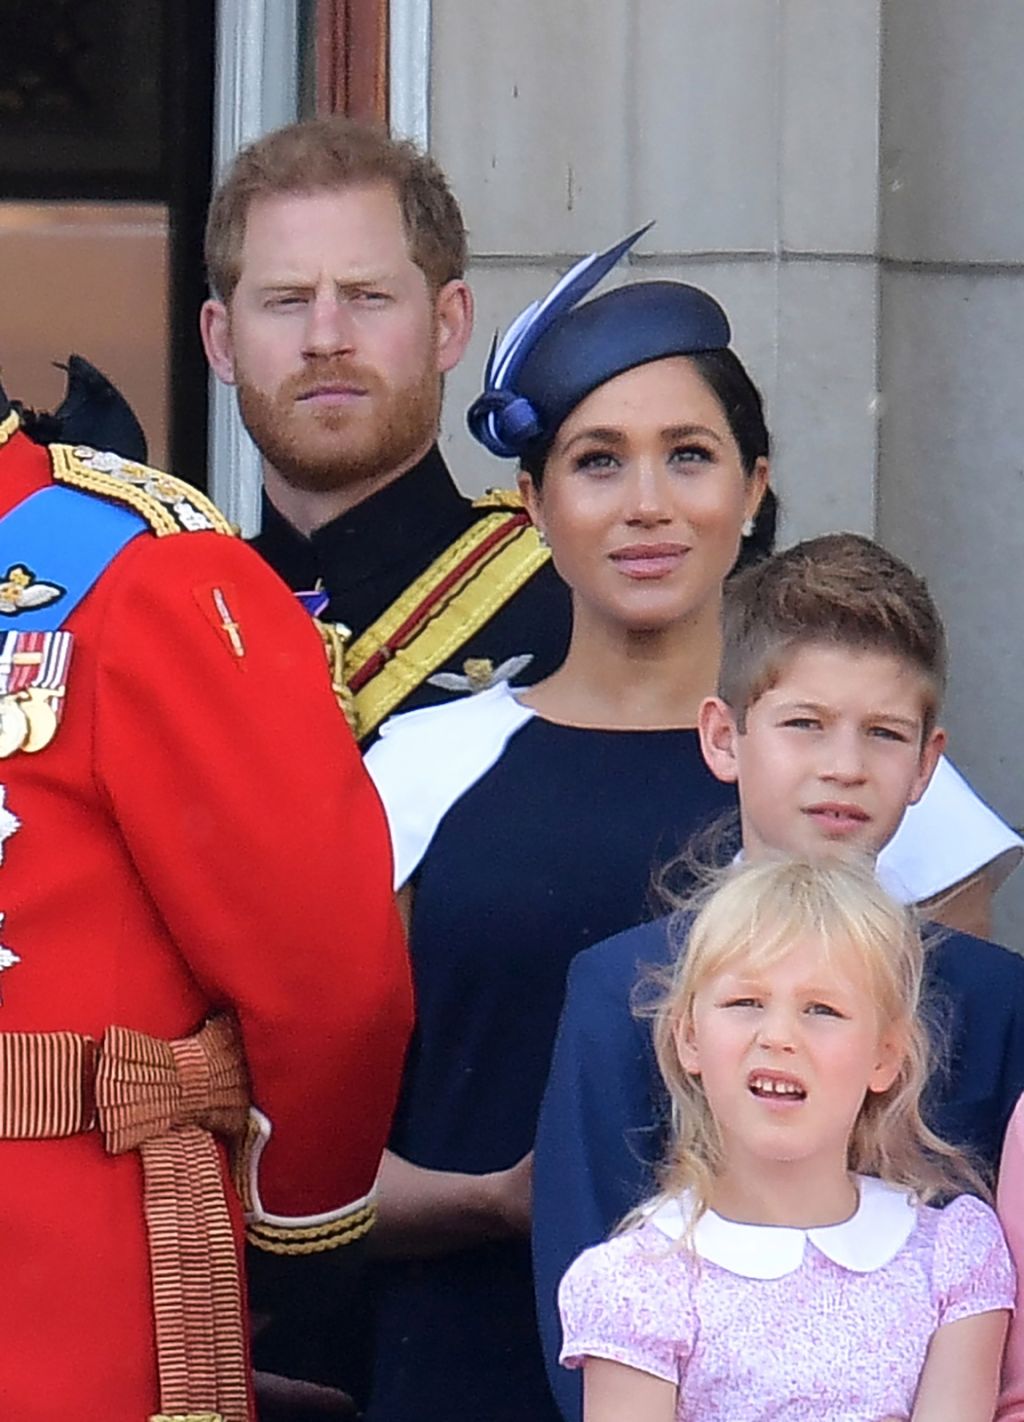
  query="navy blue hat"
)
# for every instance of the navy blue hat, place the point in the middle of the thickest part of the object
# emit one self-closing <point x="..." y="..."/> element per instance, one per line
<point x="557" y="352"/>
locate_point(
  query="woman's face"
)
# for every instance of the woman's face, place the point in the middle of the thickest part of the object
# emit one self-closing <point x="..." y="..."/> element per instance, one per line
<point x="644" y="497"/>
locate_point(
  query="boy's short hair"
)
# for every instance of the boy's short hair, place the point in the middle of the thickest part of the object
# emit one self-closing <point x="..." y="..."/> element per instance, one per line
<point x="841" y="590"/>
<point x="336" y="153"/>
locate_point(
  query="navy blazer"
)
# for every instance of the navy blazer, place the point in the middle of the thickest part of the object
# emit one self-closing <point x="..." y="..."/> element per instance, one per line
<point x="604" y="1114"/>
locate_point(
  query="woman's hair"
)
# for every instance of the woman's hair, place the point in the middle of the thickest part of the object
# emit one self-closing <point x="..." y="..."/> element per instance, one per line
<point x="753" y="913"/>
<point x="726" y="377"/>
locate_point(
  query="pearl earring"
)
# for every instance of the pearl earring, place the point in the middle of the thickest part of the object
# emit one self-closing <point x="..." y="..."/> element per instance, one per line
<point x="748" y="528"/>
<point x="542" y="537"/>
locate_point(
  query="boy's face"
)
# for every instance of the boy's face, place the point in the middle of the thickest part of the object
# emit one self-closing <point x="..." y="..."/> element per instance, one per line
<point x="831" y="755"/>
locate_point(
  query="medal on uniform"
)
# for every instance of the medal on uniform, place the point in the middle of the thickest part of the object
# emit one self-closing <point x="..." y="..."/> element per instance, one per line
<point x="38" y="708"/>
<point x="33" y="681"/>
<point x="13" y="726"/>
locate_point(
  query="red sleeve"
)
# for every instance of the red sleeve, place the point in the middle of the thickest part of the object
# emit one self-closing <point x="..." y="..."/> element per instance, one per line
<point x="244" y="804"/>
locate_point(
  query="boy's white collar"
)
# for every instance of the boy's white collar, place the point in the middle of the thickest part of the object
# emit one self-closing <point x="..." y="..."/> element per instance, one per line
<point x="874" y="1235"/>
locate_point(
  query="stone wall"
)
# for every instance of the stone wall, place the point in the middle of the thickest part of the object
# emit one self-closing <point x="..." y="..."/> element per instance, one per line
<point x="845" y="175"/>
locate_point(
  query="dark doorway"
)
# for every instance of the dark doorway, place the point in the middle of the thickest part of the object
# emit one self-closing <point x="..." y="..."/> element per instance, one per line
<point x="106" y="108"/>
<point x="189" y="70"/>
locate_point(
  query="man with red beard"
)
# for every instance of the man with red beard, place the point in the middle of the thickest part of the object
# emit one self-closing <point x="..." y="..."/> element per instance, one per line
<point x="336" y="257"/>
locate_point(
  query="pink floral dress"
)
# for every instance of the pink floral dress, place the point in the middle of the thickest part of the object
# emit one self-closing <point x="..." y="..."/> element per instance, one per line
<point x="765" y="1324"/>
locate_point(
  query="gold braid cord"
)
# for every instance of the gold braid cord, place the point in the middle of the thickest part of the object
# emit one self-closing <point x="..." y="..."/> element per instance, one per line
<point x="489" y="581"/>
<point x="510" y="499"/>
<point x="290" y="1238"/>
<point x="312" y="1239"/>
<point x="334" y="638"/>
<point x="168" y="505"/>
<point x="9" y="426"/>
<point x="187" y="1417"/>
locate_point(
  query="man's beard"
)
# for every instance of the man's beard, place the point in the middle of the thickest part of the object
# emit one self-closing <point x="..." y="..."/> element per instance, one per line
<point x="319" y="450"/>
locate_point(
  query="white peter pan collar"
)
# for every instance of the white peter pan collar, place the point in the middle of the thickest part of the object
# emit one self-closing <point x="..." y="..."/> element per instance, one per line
<point x="874" y="1235"/>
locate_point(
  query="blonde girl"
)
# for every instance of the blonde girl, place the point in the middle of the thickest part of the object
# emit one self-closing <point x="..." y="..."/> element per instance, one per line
<point x="797" y="1263"/>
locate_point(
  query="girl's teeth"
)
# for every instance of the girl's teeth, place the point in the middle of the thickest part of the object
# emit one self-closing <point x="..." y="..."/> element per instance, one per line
<point x="777" y="1088"/>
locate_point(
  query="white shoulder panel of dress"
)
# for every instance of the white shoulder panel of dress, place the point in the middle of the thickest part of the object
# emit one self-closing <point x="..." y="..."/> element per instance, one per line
<point x="945" y="838"/>
<point x="426" y="760"/>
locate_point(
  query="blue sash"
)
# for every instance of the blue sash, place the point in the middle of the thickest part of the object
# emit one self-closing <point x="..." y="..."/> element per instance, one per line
<point x="65" y="538"/>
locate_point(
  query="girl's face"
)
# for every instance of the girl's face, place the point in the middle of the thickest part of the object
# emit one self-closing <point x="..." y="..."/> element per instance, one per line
<point x="644" y="497"/>
<point x="787" y="1053"/>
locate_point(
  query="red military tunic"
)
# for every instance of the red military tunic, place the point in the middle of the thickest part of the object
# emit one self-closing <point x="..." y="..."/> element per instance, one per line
<point x="199" y="834"/>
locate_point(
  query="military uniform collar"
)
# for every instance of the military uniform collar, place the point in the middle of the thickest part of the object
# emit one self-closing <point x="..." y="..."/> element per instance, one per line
<point x="420" y="509"/>
<point x="868" y="1240"/>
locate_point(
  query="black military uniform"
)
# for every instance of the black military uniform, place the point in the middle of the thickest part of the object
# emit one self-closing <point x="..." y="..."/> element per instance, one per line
<point x="420" y="530"/>
<point x="367" y="560"/>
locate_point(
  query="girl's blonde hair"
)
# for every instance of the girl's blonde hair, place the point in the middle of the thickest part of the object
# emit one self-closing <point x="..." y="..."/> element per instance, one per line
<point x="754" y="913"/>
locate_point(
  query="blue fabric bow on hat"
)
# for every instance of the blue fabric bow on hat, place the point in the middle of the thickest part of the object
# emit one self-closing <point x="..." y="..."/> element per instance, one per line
<point x="558" y="350"/>
<point x="502" y="420"/>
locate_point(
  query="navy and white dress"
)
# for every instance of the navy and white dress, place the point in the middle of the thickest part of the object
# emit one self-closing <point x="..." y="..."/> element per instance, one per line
<point x="528" y="841"/>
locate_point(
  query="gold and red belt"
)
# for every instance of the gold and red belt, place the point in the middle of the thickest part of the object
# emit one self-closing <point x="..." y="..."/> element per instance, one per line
<point x="167" y="1100"/>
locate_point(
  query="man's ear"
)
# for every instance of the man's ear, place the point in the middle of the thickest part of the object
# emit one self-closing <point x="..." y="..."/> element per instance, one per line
<point x="454" y="312"/>
<point x="718" y="732"/>
<point x="215" y="329"/>
<point x="686" y="1045"/>
<point x="932" y="749"/>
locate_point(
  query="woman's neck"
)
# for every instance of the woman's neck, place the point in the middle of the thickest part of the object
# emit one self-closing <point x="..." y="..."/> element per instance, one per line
<point x="619" y="679"/>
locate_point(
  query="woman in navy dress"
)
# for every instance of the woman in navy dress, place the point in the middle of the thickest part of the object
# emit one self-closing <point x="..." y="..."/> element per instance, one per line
<point x="528" y="825"/>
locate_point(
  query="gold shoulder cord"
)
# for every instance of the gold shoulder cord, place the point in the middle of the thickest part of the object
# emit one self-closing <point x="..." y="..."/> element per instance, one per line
<point x="8" y="426"/>
<point x="487" y="586"/>
<point x="510" y="499"/>
<point x="333" y="638"/>
<point x="168" y="505"/>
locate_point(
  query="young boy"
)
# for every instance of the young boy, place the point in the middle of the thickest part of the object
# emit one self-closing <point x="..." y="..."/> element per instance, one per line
<point x="833" y="668"/>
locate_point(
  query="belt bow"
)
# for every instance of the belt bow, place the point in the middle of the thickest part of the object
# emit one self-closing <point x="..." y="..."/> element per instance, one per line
<point x="146" y="1087"/>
